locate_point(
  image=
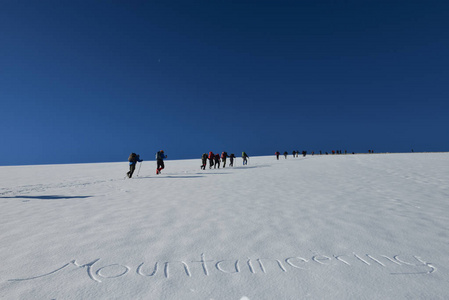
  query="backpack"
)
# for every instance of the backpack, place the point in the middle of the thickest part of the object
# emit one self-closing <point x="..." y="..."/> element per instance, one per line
<point x="158" y="155"/>
<point x="132" y="157"/>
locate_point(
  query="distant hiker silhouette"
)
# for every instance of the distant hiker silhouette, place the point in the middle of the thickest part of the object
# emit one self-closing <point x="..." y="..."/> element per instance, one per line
<point x="245" y="158"/>
<point x="224" y="155"/>
<point x="217" y="161"/>
<point x="211" y="159"/>
<point x="277" y="154"/>
<point x="203" y="161"/>
<point x="160" y="156"/>
<point x="231" y="160"/>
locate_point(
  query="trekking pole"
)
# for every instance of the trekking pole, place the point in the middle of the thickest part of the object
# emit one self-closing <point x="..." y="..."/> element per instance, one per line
<point x="138" y="171"/>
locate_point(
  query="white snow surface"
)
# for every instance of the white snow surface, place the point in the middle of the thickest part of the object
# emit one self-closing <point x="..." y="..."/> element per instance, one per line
<point x="320" y="227"/>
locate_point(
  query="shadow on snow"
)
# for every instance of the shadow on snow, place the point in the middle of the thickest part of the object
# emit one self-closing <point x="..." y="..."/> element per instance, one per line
<point x="168" y="176"/>
<point x="251" y="167"/>
<point x="48" y="197"/>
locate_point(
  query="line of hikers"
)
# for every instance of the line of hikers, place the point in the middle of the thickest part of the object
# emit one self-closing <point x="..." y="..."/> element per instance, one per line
<point x="295" y="154"/>
<point x="304" y="153"/>
<point x="214" y="161"/>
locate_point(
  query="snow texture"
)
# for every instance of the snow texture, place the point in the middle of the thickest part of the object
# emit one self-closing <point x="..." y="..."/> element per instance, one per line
<point x="320" y="227"/>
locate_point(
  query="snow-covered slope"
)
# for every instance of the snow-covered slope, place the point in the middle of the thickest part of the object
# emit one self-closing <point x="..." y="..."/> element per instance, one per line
<point x="321" y="227"/>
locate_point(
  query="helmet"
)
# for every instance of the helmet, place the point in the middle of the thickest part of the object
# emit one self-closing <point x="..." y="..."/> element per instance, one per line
<point x="162" y="151"/>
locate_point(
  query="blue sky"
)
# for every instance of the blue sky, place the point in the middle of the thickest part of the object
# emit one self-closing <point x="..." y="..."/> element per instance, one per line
<point x="92" y="81"/>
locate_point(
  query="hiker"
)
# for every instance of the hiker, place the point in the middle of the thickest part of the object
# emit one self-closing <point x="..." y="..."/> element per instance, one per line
<point x="217" y="161"/>
<point x="133" y="159"/>
<point x="231" y="160"/>
<point x="245" y="158"/>
<point x="277" y="154"/>
<point x="160" y="161"/>
<point x="304" y="153"/>
<point x="294" y="153"/>
<point x="211" y="159"/>
<point x="224" y="155"/>
<point x="203" y="161"/>
<point x="285" y="154"/>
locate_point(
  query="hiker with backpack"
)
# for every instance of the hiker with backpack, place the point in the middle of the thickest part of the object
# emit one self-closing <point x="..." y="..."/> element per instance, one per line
<point x="277" y="154"/>
<point x="211" y="159"/>
<point x="224" y="155"/>
<point x="231" y="160"/>
<point x="245" y="158"/>
<point x="133" y="159"/>
<point x="160" y="161"/>
<point x="203" y="161"/>
<point x="217" y="161"/>
<point x="285" y="154"/>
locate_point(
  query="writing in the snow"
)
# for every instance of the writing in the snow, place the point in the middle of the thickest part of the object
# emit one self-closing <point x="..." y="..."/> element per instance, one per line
<point x="202" y="266"/>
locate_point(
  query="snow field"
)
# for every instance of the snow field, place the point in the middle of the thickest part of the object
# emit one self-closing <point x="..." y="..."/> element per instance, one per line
<point x="321" y="227"/>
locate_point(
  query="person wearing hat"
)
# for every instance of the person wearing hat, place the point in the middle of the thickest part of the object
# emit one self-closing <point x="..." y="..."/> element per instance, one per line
<point x="160" y="161"/>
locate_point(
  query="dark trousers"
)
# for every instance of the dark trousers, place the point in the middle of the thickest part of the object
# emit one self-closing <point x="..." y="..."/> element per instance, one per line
<point x="132" y="168"/>
<point x="160" y="164"/>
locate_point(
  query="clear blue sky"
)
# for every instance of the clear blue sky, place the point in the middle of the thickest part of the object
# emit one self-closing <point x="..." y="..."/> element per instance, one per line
<point x="92" y="81"/>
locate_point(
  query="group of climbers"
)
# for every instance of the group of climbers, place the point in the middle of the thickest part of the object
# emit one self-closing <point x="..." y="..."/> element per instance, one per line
<point x="294" y="153"/>
<point x="214" y="161"/>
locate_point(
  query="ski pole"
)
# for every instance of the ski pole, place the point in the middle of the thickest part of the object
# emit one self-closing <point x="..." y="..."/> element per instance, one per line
<point x="138" y="171"/>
